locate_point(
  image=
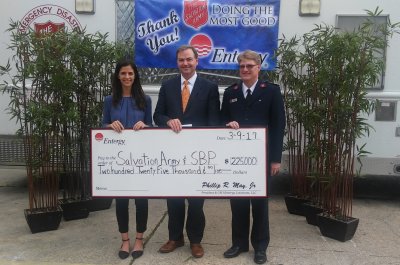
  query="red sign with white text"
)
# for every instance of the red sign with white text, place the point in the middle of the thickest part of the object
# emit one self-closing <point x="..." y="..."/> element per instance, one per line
<point x="48" y="27"/>
<point x="195" y="13"/>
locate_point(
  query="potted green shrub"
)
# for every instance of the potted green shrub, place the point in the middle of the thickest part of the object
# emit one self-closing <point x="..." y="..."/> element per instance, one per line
<point x="35" y="110"/>
<point x="333" y="68"/>
<point x="83" y="67"/>
<point x="297" y="108"/>
<point x="91" y="59"/>
<point x="57" y="96"/>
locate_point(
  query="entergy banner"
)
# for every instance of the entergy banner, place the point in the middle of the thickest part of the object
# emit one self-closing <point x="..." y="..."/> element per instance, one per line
<point x="218" y="29"/>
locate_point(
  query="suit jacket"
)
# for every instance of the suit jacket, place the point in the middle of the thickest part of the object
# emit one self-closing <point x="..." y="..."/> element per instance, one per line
<point x="202" y="108"/>
<point x="265" y="109"/>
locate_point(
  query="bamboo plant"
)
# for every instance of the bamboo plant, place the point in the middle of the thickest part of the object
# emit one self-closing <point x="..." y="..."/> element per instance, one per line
<point x="34" y="105"/>
<point x="56" y="96"/>
<point x="297" y="107"/>
<point x="325" y="75"/>
<point x="90" y="60"/>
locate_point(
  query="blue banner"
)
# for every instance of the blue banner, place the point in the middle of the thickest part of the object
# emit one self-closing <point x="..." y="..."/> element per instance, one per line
<point x="218" y="29"/>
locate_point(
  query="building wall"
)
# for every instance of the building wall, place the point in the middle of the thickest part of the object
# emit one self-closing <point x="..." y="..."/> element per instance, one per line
<point x="382" y="142"/>
<point x="103" y="20"/>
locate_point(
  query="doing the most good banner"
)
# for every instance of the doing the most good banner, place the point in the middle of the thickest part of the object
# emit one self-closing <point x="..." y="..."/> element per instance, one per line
<point x="218" y="29"/>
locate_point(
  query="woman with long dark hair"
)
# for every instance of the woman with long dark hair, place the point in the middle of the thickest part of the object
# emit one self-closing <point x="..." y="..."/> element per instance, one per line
<point x="128" y="107"/>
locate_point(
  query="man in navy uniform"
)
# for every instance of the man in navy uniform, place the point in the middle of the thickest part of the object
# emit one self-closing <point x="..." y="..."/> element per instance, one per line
<point x="198" y="106"/>
<point x="252" y="102"/>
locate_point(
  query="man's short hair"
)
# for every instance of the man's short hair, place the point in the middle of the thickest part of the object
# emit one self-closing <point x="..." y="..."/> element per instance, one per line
<point x="187" y="47"/>
<point x="249" y="55"/>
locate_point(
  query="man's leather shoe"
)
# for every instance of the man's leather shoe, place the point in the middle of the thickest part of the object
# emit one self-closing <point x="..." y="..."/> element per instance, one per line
<point x="197" y="250"/>
<point x="171" y="246"/>
<point x="234" y="251"/>
<point x="260" y="257"/>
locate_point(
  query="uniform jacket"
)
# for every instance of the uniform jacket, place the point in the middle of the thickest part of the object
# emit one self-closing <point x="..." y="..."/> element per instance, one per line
<point x="265" y="109"/>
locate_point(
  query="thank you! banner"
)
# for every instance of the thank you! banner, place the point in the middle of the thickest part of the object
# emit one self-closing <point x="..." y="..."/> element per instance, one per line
<point x="218" y="29"/>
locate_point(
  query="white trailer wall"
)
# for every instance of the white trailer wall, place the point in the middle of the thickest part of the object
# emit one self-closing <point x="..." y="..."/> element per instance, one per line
<point x="102" y="20"/>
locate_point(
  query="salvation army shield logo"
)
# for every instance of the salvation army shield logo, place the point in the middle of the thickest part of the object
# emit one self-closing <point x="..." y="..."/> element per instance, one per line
<point x="48" y="27"/>
<point x="195" y="12"/>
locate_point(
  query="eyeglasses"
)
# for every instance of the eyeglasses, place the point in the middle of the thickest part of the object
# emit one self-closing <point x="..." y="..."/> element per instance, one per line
<point x="248" y="66"/>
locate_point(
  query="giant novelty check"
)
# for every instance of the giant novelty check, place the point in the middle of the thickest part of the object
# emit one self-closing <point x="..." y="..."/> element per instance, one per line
<point x="195" y="162"/>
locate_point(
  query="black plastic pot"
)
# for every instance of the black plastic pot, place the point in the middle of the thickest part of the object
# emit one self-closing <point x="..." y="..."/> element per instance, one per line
<point x="310" y="212"/>
<point x="342" y="230"/>
<point x="294" y="204"/>
<point x="98" y="204"/>
<point x="42" y="220"/>
<point x="73" y="210"/>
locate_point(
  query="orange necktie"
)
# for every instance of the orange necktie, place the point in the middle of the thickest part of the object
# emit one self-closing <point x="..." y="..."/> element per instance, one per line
<point x="185" y="95"/>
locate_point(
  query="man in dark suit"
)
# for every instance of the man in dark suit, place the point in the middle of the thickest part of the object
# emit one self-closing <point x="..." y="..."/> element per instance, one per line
<point x="172" y="110"/>
<point x="254" y="103"/>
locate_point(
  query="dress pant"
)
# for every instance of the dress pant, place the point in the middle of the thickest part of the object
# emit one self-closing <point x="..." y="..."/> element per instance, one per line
<point x="195" y="221"/>
<point x="240" y="208"/>
<point x="122" y="211"/>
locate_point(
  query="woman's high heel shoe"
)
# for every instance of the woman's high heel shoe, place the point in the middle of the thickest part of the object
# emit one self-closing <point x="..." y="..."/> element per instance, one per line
<point x="123" y="254"/>
<point x="137" y="253"/>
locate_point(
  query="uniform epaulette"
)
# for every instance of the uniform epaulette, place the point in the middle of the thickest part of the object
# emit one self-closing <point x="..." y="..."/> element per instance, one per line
<point x="265" y="84"/>
<point x="233" y="86"/>
<point x="271" y="83"/>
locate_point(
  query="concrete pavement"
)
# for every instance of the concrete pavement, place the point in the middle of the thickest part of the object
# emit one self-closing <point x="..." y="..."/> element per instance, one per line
<point x="95" y="240"/>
